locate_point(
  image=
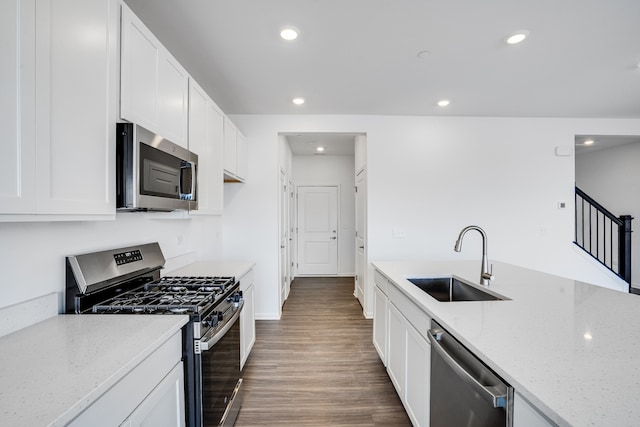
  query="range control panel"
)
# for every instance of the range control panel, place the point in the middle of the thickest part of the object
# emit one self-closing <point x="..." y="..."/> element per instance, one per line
<point x="128" y="257"/>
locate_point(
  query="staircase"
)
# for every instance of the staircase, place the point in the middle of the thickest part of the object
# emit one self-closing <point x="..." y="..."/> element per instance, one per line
<point x="604" y="236"/>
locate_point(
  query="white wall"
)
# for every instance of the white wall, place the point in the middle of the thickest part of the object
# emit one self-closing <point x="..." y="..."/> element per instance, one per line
<point x="612" y="177"/>
<point x="430" y="177"/>
<point x="32" y="255"/>
<point x="337" y="171"/>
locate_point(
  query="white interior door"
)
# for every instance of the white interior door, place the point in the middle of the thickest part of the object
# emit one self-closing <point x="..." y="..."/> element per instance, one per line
<point x="284" y="238"/>
<point x="361" y="235"/>
<point x="318" y="230"/>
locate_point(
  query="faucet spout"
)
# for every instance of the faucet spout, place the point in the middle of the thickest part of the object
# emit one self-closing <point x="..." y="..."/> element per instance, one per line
<point x="485" y="274"/>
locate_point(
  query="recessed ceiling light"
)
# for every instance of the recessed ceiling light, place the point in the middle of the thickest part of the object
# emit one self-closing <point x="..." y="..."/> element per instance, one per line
<point x="298" y="101"/>
<point x="517" y="37"/>
<point x="443" y="103"/>
<point x="320" y="149"/>
<point x="289" y="33"/>
<point x="589" y="142"/>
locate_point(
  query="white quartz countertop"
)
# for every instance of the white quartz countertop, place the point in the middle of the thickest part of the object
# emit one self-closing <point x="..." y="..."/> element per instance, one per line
<point x="52" y="371"/>
<point x="569" y="348"/>
<point x="214" y="268"/>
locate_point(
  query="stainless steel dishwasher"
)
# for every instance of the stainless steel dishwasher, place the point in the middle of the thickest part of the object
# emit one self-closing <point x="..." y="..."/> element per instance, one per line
<point x="464" y="391"/>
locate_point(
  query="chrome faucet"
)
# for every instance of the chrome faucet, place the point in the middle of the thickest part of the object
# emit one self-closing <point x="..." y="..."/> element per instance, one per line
<point x="485" y="274"/>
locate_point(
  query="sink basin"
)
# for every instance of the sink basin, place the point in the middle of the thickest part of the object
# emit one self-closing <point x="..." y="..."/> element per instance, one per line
<point x="451" y="289"/>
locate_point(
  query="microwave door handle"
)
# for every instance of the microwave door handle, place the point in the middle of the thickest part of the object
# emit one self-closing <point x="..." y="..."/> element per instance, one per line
<point x="192" y="190"/>
<point x="210" y="342"/>
<point x="192" y="168"/>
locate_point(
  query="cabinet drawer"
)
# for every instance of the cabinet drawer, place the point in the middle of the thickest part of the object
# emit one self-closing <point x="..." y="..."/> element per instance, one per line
<point x="380" y="281"/>
<point x="418" y="318"/>
<point x="114" y="406"/>
<point x="246" y="280"/>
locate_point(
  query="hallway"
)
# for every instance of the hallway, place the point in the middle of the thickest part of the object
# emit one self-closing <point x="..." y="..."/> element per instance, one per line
<point x="317" y="365"/>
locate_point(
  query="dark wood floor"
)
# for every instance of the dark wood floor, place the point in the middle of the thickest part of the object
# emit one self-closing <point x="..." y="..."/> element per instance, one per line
<point x="317" y="365"/>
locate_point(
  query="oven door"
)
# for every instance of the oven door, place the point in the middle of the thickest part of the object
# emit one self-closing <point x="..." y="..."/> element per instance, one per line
<point x="221" y="385"/>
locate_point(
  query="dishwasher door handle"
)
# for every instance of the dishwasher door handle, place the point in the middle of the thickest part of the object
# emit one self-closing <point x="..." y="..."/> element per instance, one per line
<point x="499" y="399"/>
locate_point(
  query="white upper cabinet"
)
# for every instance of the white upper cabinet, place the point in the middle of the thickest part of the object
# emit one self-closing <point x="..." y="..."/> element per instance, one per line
<point x="154" y="87"/>
<point x="61" y="74"/>
<point x="17" y="107"/>
<point x="206" y="140"/>
<point x="235" y="153"/>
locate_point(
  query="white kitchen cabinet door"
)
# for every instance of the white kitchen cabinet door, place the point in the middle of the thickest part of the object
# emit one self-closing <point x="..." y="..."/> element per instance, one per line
<point x="380" y="323"/>
<point x="164" y="406"/>
<point x="418" y="375"/>
<point x="205" y="140"/>
<point x="173" y="96"/>
<point x="235" y="153"/>
<point x="397" y="354"/>
<point x="17" y="107"/>
<point x="247" y="321"/>
<point x="230" y="147"/>
<point x="139" y="57"/>
<point x="154" y="87"/>
<point x="76" y="91"/>
<point x="241" y="155"/>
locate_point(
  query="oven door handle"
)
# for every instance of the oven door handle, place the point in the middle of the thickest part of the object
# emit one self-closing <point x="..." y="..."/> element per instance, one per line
<point x="208" y="343"/>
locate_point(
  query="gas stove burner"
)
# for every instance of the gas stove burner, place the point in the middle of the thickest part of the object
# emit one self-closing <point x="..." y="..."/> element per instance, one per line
<point x="177" y="288"/>
<point x="208" y="288"/>
<point x="179" y="310"/>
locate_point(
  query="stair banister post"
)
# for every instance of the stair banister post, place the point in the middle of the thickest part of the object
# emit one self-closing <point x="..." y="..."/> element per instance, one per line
<point x="624" y="252"/>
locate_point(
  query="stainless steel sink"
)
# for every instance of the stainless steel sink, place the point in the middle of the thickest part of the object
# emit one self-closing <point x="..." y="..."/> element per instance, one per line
<point x="451" y="288"/>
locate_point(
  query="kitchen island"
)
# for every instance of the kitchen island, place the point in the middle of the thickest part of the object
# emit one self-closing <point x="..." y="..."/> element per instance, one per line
<point x="86" y="369"/>
<point x="566" y="347"/>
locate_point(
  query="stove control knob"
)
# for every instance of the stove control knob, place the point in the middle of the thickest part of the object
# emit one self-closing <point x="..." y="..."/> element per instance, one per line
<point x="237" y="297"/>
<point x="220" y="316"/>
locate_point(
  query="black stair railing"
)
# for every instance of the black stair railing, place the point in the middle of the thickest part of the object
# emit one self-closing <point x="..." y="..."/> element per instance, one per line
<point x="603" y="235"/>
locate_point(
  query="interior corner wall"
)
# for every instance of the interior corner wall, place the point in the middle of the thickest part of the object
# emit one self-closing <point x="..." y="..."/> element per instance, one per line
<point x="430" y="177"/>
<point x="339" y="171"/>
<point x="612" y="177"/>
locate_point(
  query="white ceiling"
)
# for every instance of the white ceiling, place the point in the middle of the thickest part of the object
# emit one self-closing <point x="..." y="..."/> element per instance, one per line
<point x="361" y="56"/>
<point x="334" y="144"/>
<point x="603" y="142"/>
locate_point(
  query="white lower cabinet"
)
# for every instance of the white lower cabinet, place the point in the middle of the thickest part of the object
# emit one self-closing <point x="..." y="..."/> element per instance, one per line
<point x="397" y="356"/>
<point x="164" y="407"/>
<point x="247" y="317"/>
<point x="403" y="327"/>
<point x="417" y="387"/>
<point x="152" y="394"/>
<point x="380" y="323"/>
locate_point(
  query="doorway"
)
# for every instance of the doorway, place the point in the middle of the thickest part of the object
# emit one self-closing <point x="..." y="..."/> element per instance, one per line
<point x="318" y="231"/>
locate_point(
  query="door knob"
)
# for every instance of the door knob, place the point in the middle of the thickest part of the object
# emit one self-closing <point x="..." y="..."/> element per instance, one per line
<point x="334" y="238"/>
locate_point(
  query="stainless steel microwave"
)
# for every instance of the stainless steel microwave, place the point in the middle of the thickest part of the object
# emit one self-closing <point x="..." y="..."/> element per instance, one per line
<point x="153" y="173"/>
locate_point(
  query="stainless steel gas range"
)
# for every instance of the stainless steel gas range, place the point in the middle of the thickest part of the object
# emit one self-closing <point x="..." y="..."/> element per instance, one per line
<point x="127" y="281"/>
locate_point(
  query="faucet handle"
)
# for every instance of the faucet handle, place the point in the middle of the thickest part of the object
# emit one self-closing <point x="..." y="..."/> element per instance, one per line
<point x="489" y="275"/>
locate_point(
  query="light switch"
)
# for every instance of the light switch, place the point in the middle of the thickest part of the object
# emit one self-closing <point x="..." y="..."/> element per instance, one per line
<point x="398" y="233"/>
